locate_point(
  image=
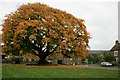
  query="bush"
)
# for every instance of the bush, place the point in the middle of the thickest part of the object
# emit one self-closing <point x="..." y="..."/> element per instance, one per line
<point x="109" y="58"/>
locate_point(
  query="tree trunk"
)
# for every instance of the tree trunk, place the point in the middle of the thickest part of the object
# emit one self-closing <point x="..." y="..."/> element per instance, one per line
<point x="42" y="60"/>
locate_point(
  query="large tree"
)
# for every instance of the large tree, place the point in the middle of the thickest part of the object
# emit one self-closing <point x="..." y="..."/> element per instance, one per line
<point x="41" y="30"/>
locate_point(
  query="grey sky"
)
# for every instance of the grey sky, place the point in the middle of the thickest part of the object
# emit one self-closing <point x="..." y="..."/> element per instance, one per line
<point x="101" y="17"/>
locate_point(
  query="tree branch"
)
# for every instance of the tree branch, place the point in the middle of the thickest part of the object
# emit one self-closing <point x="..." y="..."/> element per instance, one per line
<point x="33" y="45"/>
<point x="48" y="47"/>
<point x="48" y="53"/>
<point x="54" y="49"/>
<point x="35" y="53"/>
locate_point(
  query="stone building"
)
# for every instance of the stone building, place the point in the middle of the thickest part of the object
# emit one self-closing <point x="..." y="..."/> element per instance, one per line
<point x="115" y="51"/>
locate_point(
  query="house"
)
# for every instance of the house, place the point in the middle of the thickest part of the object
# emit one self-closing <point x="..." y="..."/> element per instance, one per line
<point x="2" y="55"/>
<point x="115" y="50"/>
<point x="60" y="58"/>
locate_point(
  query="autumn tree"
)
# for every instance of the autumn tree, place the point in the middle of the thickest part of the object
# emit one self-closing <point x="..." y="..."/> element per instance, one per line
<point x="41" y="30"/>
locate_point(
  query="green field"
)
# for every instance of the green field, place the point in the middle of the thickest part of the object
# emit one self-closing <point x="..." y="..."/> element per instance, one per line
<point x="9" y="71"/>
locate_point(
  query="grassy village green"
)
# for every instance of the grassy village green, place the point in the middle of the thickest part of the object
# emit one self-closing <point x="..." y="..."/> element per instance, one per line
<point x="45" y="72"/>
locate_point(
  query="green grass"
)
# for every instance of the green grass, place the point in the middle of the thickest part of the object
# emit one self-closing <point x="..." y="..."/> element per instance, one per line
<point x="43" y="72"/>
<point x="0" y="72"/>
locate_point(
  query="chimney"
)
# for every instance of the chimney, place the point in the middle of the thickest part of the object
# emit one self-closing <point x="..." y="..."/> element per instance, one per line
<point x="116" y="42"/>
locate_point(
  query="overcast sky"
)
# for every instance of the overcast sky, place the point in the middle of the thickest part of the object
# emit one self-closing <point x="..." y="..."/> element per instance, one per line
<point x="101" y="17"/>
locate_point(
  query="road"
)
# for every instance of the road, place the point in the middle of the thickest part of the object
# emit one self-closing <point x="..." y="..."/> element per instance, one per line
<point x="98" y="66"/>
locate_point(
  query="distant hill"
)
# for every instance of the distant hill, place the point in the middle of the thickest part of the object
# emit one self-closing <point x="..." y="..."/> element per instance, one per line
<point x="99" y="51"/>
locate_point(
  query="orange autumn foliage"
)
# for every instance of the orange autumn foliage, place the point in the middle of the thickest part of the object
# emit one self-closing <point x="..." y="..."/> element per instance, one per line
<point x="38" y="27"/>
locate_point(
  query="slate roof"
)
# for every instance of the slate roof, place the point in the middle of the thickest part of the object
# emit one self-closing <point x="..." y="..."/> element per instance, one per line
<point x="116" y="46"/>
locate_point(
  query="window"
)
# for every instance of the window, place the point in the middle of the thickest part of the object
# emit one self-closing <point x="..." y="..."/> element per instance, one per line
<point x="116" y="59"/>
<point x="115" y="53"/>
